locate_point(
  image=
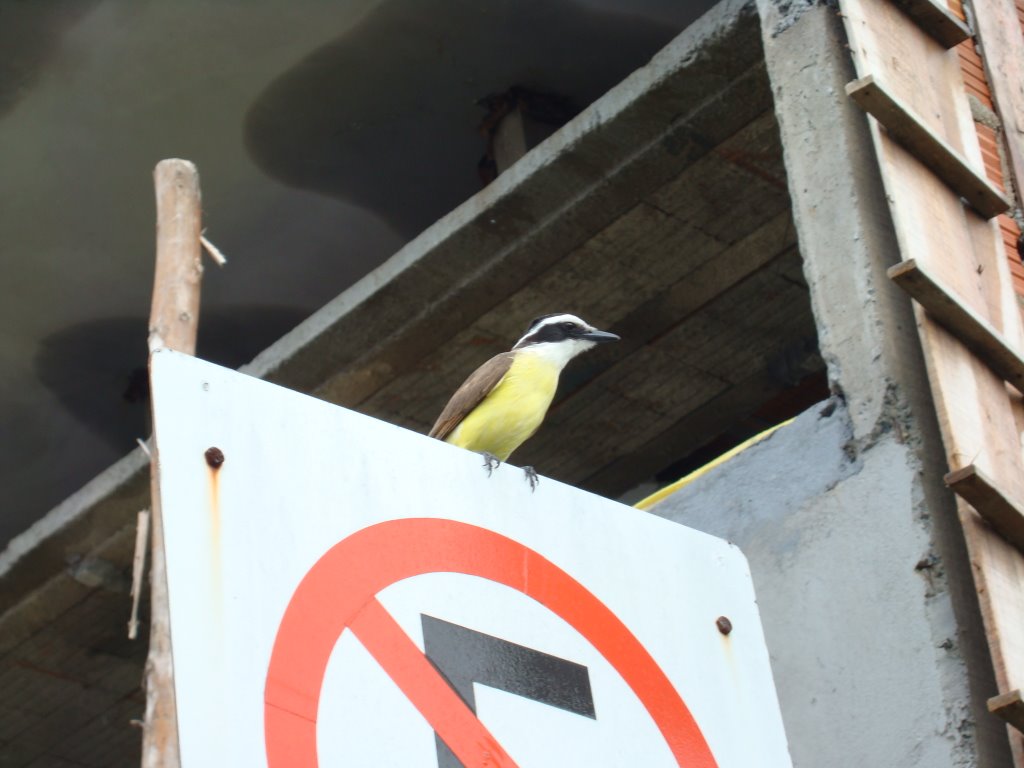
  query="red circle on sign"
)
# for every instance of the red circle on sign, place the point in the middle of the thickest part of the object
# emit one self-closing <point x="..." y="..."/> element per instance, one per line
<point x="339" y="592"/>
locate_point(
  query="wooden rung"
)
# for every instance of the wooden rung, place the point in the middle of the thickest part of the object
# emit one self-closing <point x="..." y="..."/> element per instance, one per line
<point x="971" y="484"/>
<point x="976" y="333"/>
<point x="937" y="20"/>
<point x="927" y="146"/>
<point x="1010" y="707"/>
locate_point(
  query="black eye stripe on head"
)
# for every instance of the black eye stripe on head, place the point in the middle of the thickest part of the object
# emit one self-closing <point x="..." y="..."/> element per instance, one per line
<point x="555" y="332"/>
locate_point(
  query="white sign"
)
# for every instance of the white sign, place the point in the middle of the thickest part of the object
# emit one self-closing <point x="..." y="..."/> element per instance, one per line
<point x="345" y="592"/>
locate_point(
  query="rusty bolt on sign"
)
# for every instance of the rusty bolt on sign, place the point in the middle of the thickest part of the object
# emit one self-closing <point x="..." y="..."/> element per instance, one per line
<point x="214" y="457"/>
<point x="724" y="625"/>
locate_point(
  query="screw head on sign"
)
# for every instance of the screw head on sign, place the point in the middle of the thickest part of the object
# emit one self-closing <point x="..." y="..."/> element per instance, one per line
<point x="724" y="625"/>
<point x="214" y="457"/>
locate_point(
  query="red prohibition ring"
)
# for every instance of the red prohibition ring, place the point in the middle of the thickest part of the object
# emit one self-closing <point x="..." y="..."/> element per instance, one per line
<point x="339" y="593"/>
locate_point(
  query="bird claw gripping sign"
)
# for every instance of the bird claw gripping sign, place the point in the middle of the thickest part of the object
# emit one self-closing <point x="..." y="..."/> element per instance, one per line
<point x="346" y="592"/>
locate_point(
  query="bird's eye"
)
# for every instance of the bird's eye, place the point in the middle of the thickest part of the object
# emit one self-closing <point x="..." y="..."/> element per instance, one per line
<point x="568" y="326"/>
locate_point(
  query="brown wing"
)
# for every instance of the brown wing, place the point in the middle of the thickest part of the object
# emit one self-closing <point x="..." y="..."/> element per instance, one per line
<point x="468" y="396"/>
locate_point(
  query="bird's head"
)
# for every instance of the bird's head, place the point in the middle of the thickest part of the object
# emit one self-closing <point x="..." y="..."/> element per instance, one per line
<point x="561" y="337"/>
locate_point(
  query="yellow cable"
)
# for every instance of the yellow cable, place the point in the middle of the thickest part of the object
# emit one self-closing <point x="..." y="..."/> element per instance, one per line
<point x="682" y="482"/>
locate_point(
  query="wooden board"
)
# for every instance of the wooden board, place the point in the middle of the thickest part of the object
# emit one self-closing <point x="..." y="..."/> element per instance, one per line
<point x="925" y="144"/>
<point x="981" y="492"/>
<point x="943" y="305"/>
<point x="998" y="574"/>
<point x="886" y="42"/>
<point x="1010" y="707"/>
<point x="937" y="20"/>
<point x="979" y="416"/>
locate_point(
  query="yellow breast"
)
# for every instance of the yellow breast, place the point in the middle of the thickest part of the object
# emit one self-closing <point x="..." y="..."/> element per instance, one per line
<point x="512" y="411"/>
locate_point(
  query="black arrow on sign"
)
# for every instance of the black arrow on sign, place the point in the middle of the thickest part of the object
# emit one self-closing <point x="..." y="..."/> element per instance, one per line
<point x="464" y="656"/>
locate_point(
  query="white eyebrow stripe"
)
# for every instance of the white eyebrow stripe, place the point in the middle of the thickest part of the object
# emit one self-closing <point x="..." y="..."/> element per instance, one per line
<point x="554" y="320"/>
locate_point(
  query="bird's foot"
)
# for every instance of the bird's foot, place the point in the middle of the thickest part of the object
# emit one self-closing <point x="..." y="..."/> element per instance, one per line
<point x="531" y="477"/>
<point x="491" y="462"/>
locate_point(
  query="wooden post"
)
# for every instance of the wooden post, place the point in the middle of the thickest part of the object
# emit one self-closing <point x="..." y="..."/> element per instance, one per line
<point x="174" y="317"/>
<point x="173" y="323"/>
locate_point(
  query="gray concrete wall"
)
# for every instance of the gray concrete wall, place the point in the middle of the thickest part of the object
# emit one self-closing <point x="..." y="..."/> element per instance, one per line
<point x="861" y="632"/>
<point x="856" y="552"/>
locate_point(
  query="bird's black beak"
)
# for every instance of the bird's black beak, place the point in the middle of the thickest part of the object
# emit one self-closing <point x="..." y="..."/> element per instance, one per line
<point x="598" y="336"/>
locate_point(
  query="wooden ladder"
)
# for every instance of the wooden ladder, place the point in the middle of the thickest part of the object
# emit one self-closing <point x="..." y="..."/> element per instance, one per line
<point x="969" y="320"/>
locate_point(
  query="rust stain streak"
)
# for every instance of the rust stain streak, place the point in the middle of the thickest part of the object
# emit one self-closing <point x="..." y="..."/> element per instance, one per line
<point x="215" y="512"/>
<point x="215" y="525"/>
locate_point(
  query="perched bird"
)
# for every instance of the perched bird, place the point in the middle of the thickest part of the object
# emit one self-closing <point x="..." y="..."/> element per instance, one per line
<point x="505" y="400"/>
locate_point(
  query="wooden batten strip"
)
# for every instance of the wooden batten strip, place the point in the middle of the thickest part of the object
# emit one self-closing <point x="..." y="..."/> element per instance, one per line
<point x="1002" y="49"/>
<point x="976" y="333"/>
<point x="937" y="20"/>
<point x="978" y="490"/>
<point x="1010" y="707"/>
<point x="930" y="148"/>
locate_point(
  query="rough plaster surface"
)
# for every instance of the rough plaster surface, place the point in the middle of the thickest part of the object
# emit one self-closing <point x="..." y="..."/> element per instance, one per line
<point x="862" y="636"/>
<point x="839" y="206"/>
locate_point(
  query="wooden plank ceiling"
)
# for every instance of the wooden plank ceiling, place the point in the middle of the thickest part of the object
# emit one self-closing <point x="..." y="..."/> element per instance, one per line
<point x="702" y="279"/>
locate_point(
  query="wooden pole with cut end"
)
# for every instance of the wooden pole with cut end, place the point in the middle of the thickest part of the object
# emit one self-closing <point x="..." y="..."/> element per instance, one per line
<point x="173" y="324"/>
<point x="174" y="317"/>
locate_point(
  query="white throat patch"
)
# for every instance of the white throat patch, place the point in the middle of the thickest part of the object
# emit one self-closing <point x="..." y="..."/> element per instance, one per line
<point x="557" y="352"/>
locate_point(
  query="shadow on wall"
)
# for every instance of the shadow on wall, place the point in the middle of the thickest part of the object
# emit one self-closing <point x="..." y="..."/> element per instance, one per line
<point x="29" y="34"/>
<point x="98" y="369"/>
<point x="386" y="116"/>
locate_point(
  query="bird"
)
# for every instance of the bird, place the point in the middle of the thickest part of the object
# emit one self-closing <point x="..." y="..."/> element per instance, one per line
<point x="504" y="401"/>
